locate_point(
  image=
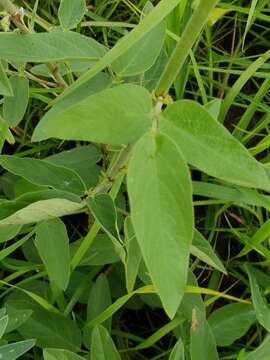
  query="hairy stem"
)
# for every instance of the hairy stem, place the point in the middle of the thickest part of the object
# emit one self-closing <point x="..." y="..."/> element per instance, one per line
<point x="182" y="49"/>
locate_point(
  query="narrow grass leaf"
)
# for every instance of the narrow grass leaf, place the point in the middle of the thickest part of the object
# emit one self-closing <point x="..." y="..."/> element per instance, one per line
<point x="159" y="180"/>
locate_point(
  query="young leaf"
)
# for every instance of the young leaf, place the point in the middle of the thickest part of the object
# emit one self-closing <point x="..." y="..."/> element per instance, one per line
<point x="15" y="106"/>
<point x="5" y="85"/>
<point x="16" y="350"/>
<point x="231" y="322"/>
<point x="41" y="211"/>
<point x="178" y="351"/>
<point x="202" y="341"/>
<point x="3" y="325"/>
<point x="159" y="188"/>
<point x="71" y="12"/>
<point x="41" y="172"/>
<point x="60" y="354"/>
<point x="207" y="145"/>
<point x="261" y="308"/>
<point x="203" y="250"/>
<point x="51" y="46"/>
<point x="98" y="301"/>
<point x="53" y="247"/>
<point x="142" y="55"/>
<point x="114" y="116"/>
<point x="102" y="346"/>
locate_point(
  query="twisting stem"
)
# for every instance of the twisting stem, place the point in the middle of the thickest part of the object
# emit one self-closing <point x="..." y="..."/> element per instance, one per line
<point x="17" y="20"/>
<point x="182" y="49"/>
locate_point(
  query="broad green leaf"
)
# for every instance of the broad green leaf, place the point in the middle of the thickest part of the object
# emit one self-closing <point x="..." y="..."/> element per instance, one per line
<point x="16" y="317"/>
<point x="98" y="301"/>
<point x="133" y="256"/>
<point x="50" y="329"/>
<point x="202" y="341"/>
<point x="262" y="352"/>
<point x="104" y="211"/>
<point x="102" y="346"/>
<point x="41" y="211"/>
<point x="60" y="354"/>
<point x="142" y="55"/>
<point x="258" y="300"/>
<point x="9" y="232"/>
<point x="231" y="322"/>
<point x="213" y="107"/>
<point x="49" y="47"/>
<point x="71" y="12"/>
<point x="5" y="85"/>
<point x="3" y="325"/>
<point x="41" y="172"/>
<point x="207" y="145"/>
<point x="16" y="350"/>
<point x="159" y="188"/>
<point x="102" y="251"/>
<point x="15" y="106"/>
<point x="53" y="247"/>
<point x="178" y="351"/>
<point x="6" y="251"/>
<point x="114" y="116"/>
<point x="82" y="160"/>
<point x="202" y="249"/>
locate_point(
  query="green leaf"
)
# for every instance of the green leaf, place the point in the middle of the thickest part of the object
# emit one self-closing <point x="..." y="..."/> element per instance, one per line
<point x="104" y="211"/>
<point x="15" y="106"/>
<point x="50" y="329"/>
<point x="202" y="249"/>
<point x="231" y="322"/>
<point x="5" y="85"/>
<point x="159" y="188"/>
<point x="178" y="351"/>
<point x="9" y="232"/>
<point x="51" y="46"/>
<point x="82" y="160"/>
<point x="15" y="350"/>
<point x="3" y="325"/>
<point x="102" y="346"/>
<point x="133" y="256"/>
<point x="262" y="352"/>
<point x="114" y="116"/>
<point x="41" y="172"/>
<point x="207" y="145"/>
<point x="258" y="300"/>
<point x="142" y="55"/>
<point x="41" y="211"/>
<point x="16" y="317"/>
<point x="60" y="354"/>
<point x="71" y="12"/>
<point x="202" y="341"/>
<point x="53" y="247"/>
<point x="98" y="301"/>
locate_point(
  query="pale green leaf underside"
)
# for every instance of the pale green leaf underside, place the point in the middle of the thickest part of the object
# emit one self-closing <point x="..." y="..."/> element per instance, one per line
<point x="60" y="354"/>
<point x="119" y="115"/>
<point x="160" y="195"/>
<point x="49" y="47"/>
<point x="5" y="86"/>
<point x="102" y="346"/>
<point x="16" y="350"/>
<point x="208" y="145"/>
<point x="42" y="210"/>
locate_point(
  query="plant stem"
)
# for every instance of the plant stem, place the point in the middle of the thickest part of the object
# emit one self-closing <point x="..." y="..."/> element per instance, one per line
<point x="182" y="49"/>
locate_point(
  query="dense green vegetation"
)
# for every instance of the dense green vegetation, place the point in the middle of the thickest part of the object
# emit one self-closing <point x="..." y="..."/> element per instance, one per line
<point x="134" y="180"/>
